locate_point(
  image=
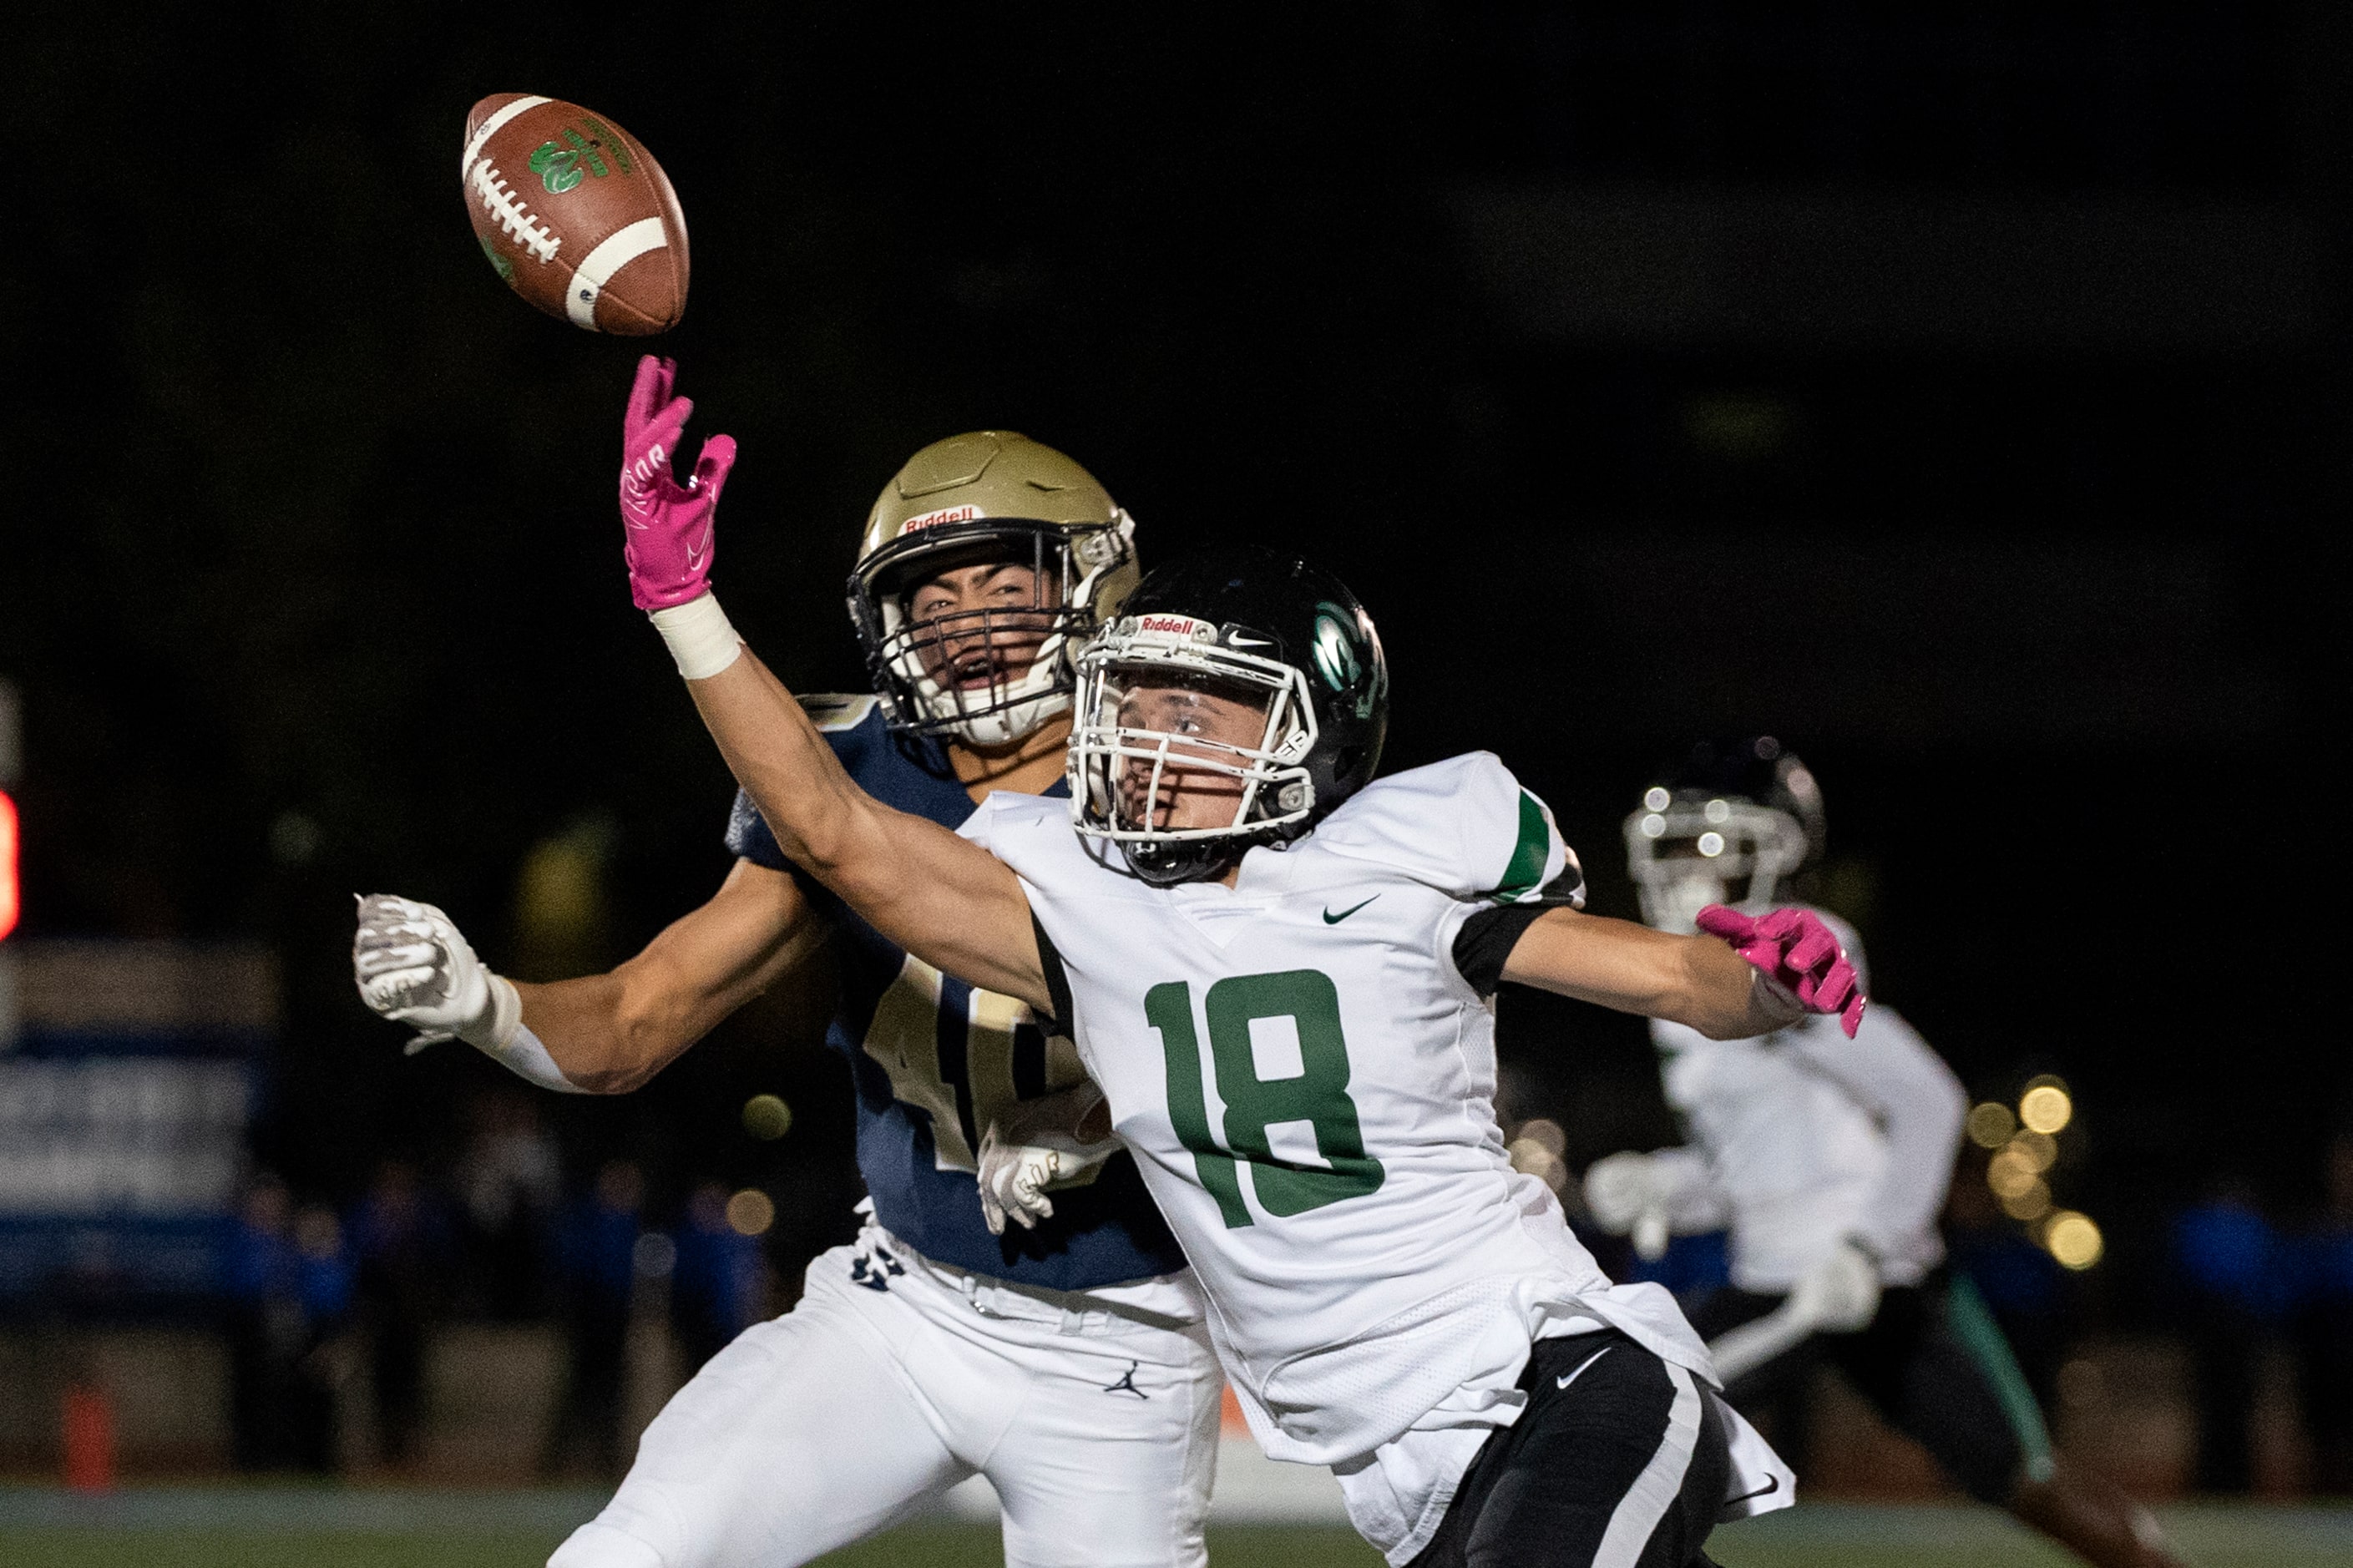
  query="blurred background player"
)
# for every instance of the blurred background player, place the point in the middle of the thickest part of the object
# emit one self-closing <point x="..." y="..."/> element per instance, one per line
<point x="1064" y="1362"/>
<point x="1827" y="1159"/>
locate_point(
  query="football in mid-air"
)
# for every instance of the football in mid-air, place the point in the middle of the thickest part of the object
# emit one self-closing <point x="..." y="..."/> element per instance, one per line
<point x="574" y="214"/>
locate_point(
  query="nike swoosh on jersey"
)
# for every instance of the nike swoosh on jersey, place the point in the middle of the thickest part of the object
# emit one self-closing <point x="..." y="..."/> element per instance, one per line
<point x="1589" y="1360"/>
<point x="1331" y="920"/>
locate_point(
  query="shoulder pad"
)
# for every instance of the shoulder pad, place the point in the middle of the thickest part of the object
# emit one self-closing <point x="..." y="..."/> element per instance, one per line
<point x="833" y="712"/>
<point x="1464" y="826"/>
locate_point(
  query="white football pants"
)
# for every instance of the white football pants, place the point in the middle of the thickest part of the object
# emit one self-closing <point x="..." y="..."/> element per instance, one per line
<point x="863" y="1405"/>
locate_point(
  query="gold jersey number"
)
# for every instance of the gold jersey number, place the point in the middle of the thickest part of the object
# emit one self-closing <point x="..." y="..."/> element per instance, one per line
<point x="961" y="1056"/>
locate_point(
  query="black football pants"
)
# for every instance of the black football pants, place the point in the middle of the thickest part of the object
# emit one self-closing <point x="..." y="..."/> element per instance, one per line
<point x="1618" y="1460"/>
<point x="1940" y="1374"/>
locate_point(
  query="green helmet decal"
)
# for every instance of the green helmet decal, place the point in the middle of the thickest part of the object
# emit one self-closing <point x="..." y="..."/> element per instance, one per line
<point x="1336" y="656"/>
<point x="1341" y="654"/>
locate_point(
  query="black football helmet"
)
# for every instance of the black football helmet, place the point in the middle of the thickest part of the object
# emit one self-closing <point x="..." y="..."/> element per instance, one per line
<point x="1734" y="823"/>
<point x="1263" y="629"/>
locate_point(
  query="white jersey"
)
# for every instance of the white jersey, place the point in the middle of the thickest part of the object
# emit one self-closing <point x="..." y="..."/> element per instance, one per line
<point x="1307" y="1083"/>
<point x="1805" y="1138"/>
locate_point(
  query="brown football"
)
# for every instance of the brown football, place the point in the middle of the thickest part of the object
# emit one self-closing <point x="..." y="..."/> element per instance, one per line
<point x="574" y="214"/>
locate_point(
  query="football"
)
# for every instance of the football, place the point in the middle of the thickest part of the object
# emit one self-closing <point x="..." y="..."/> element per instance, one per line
<point x="574" y="214"/>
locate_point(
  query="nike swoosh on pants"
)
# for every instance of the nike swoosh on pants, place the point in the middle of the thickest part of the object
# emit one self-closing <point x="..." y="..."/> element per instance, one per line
<point x="1589" y="1360"/>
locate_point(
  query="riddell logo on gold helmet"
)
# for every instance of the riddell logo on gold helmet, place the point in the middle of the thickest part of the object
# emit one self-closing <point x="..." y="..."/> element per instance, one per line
<point x="965" y="513"/>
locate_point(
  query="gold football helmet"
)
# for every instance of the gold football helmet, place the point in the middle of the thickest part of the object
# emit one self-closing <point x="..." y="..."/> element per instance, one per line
<point x="992" y="675"/>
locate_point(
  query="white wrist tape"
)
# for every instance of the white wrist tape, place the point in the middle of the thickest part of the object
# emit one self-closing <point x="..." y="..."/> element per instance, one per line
<point x="499" y="1020"/>
<point x="526" y="1057"/>
<point x="700" y="637"/>
<point x="502" y="1036"/>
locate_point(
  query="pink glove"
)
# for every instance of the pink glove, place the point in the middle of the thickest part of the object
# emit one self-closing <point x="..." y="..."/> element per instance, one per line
<point x="667" y="538"/>
<point x="1797" y="952"/>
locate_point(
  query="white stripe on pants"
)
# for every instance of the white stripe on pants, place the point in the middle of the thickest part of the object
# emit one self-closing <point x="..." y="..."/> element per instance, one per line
<point x="1661" y="1481"/>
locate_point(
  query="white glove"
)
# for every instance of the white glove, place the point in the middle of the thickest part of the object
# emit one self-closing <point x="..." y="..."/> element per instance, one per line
<point x="1839" y="1294"/>
<point x="1630" y="1191"/>
<point x="413" y="966"/>
<point x="1836" y="1296"/>
<point x="1667" y="1193"/>
<point x="1035" y="1146"/>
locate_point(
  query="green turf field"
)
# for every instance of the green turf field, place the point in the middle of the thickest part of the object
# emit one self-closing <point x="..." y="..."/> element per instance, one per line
<point x="917" y="1546"/>
<point x="268" y="1528"/>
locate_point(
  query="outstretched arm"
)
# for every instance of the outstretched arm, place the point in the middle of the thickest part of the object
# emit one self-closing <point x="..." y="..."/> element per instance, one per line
<point x="1747" y="977"/>
<point x="610" y="1033"/>
<point x="944" y="898"/>
<point x="600" y="1034"/>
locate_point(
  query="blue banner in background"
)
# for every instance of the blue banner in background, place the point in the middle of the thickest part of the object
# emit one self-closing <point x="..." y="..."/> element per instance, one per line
<point x="113" y="1260"/>
<point x="124" y="1103"/>
<point x="143" y="1135"/>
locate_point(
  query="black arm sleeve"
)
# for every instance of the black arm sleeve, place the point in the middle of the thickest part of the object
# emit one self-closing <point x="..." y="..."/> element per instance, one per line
<point x="1058" y="984"/>
<point x="1487" y="938"/>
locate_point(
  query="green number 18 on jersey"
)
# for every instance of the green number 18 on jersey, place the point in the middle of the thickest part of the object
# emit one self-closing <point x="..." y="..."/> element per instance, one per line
<point x="1314" y="1095"/>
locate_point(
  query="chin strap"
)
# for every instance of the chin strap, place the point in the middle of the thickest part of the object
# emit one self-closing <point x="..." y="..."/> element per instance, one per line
<point x="1170" y="865"/>
<point x="1016" y="722"/>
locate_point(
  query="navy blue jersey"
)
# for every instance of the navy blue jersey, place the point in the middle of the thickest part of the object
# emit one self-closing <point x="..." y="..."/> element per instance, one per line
<point x="936" y="1060"/>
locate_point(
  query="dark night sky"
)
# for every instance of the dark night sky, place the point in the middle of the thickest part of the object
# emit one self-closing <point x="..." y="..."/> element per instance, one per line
<point x="1956" y="396"/>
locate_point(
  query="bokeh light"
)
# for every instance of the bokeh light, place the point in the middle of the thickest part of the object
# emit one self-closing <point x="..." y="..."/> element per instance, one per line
<point x="2046" y="1106"/>
<point x="1537" y="1148"/>
<point x="1991" y="1124"/>
<point x="653" y="1256"/>
<point x="1547" y="1132"/>
<point x="751" y="1213"/>
<point x="2030" y="1204"/>
<point x="1535" y="1160"/>
<point x="2074" y="1239"/>
<point x="2036" y="1151"/>
<point x="559" y="893"/>
<point x="2010" y="1174"/>
<point x="766" y="1116"/>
